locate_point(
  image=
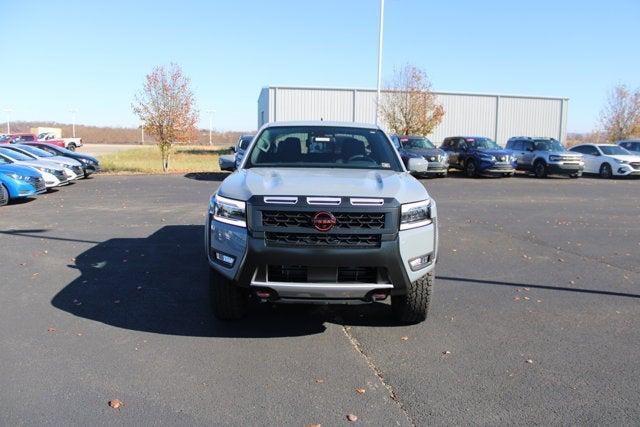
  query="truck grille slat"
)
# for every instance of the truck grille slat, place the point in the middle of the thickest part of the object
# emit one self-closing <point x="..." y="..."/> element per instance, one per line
<point x="344" y="220"/>
<point x="323" y="240"/>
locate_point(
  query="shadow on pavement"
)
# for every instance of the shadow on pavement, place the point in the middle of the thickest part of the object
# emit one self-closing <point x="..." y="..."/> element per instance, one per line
<point x="529" y="285"/>
<point x="207" y="176"/>
<point x="159" y="284"/>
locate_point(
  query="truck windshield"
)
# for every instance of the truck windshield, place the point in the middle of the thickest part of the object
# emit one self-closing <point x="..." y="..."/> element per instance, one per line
<point x="416" y="143"/>
<point x="548" y="145"/>
<point x="323" y="147"/>
<point x="483" y="143"/>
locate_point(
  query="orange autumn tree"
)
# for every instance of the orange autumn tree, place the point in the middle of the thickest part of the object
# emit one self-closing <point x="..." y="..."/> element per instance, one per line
<point x="166" y="107"/>
<point x="408" y="106"/>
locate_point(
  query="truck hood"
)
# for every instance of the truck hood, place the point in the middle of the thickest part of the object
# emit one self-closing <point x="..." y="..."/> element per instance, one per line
<point x="245" y="183"/>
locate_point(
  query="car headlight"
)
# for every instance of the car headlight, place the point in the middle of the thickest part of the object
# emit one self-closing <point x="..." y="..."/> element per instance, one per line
<point x="47" y="170"/>
<point x="18" y="177"/>
<point x="623" y="162"/>
<point x="416" y="214"/>
<point x="488" y="157"/>
<point x="228" y="211"/>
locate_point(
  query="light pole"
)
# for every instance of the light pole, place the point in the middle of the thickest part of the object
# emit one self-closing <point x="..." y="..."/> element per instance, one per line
<point x="73" y="111"/>
<point x="8" y="111"/>
<point x="211" y="113"/>
<point x="142" y="133"/>
<point x="380" y="36"/>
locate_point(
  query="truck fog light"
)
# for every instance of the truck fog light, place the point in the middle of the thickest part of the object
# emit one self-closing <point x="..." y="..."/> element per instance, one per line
<point x="225" y="259"/>
<point x="420" y="262"/>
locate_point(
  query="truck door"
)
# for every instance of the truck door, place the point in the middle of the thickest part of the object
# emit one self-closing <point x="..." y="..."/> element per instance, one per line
<point x="527" y="155"/>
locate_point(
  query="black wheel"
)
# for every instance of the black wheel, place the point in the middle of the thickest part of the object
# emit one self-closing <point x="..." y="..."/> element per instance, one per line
<point x="540" y="169"/>
<point x="605" y="171"/>
<point x="575" y="175"/>
<point x="228" y="301"/>
<point x="414" y="306"/>
<point x="4" y="195"/>
<point x="71" y="147"/>
<point x="470" y="168"/>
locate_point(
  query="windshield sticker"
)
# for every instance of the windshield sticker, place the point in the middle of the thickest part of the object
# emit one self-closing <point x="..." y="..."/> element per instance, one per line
<point x="385" y="165"/>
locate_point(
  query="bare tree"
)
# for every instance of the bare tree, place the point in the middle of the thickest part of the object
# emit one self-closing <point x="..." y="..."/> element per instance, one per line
<point x="408" y="106"/>
<point x="620" y="117"/>
<point x="166" y="108"/>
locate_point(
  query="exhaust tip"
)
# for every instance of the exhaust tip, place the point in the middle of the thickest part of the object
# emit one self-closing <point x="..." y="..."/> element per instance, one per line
<point x="379" y="296"/>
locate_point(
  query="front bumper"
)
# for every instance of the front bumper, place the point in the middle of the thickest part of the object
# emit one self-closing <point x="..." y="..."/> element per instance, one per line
<point x="252" y="255"/>
<point x="626" y="170"/>
<point x="494" y="168"/>
<point x="564" y="168"/>
<point x="437" y="167"/>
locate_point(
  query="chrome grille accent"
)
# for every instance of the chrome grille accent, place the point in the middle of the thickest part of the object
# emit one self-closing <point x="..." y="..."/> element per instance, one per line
<point x="344" y="220"/>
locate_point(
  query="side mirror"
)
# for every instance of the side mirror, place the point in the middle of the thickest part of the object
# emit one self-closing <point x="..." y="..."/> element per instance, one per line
<point x="233" y="149"/>
<point x="417" y="165"/>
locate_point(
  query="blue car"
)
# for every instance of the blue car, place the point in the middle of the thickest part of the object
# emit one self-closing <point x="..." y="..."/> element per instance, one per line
<point x="19" y="181"/>
<point x="478" y="155"/>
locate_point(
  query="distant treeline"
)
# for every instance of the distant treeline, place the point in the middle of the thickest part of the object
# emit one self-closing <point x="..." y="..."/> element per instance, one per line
<point x="120" y="135"/>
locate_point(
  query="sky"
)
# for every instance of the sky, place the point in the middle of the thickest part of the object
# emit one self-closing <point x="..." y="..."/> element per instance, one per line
<point x="93" y="55"/>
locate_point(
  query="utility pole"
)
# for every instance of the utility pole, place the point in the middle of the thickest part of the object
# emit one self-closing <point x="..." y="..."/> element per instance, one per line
<point x="380" y="37"/>
<point x="8" y="112"/>
<point x="73" y="111"/>
<point x="142" y="133"/>
<point x="211" y="113"/>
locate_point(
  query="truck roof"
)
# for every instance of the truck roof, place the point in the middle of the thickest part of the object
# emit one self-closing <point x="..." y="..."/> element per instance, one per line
<point x="323" y="123"/>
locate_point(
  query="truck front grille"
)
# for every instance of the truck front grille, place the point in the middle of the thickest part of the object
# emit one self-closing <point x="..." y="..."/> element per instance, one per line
<point x="323" y="240"/>
<point x="344" y="220"/>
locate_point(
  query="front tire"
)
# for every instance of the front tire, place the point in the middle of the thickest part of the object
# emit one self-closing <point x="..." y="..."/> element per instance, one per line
<point x="605" y="171"/>
<point x="4" y="195"/>
<point x="414" y="306"/>
<point x="228" y="301"/>
<point x="470" y="169"/>
<point x="540" y="169"/>
<point x="71" y="147"/>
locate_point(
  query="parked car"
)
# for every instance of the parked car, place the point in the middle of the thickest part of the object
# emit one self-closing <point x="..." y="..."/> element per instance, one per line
<point x="68" y="143"/>
<point x="545" y="156"/>
<point x="89" y="163"/>
<point x="17" y="182"/>
<point x="74" y="167"/>
<point x="240" y="148"/>
<point x="421" y="147"/>
<point x="54" y="175"/>
<point x="338" y="222"/>
<point x="5" y="138"/>
<point x="631" y="145"/>
<point x="608" y="160"/>
<point x="478" y="155"/>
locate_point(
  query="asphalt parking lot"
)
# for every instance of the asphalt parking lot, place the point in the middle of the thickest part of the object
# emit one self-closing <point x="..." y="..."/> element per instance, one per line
<point x="535" y="319"/>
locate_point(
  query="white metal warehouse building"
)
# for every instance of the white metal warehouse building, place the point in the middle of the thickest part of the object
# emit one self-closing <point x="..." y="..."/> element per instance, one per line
<point x="496" y="116"/>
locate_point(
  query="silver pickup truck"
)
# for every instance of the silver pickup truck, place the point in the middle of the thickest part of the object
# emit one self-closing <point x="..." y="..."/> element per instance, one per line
<point x="322" y="212"/>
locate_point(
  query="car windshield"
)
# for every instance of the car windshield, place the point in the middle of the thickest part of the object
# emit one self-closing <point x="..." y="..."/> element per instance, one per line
<point x="15" y="155"/>
<point x="548" y="145"/>
<point x="323" y="147"/>
<point x="482" y="143"/>
<point x="35" y="151"/>
<point x="613" y="150"/>
<point x="413" y="142"/>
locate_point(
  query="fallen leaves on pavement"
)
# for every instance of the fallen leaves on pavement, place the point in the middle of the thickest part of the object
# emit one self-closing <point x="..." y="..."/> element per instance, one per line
<point x="116" y="403"/>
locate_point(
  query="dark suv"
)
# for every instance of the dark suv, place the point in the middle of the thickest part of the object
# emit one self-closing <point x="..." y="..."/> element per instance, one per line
<point x="478" y="156"/>
<point x="632" y="145"/>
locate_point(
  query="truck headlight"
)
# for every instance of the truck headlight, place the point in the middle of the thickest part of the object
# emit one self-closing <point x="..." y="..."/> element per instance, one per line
<point x="416" y="214"/>
<point x="228" y="211"/>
